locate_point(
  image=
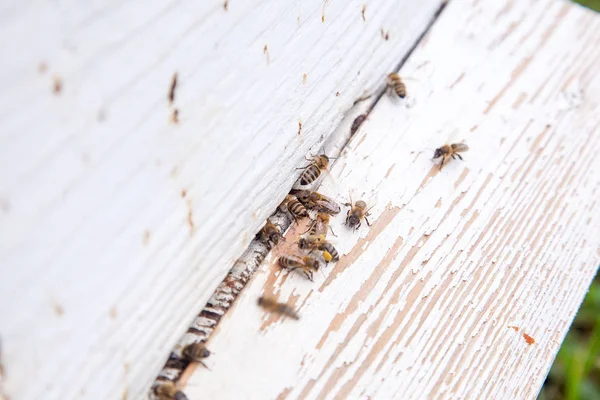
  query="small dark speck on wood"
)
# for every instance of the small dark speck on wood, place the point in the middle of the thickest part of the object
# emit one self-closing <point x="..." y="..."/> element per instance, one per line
<point x="364" y="9"/>
<point x="226" y="5"/>
<point x="266" y="52"/>
<point x="57" y="84"/>
<point x="299" y="128"/>
<point x="175" y="116"/>
<point x="357" y="123"/>
<point x="385" y="35"/>
<point x="172" y="88"/>
<point x="42" y="67"/>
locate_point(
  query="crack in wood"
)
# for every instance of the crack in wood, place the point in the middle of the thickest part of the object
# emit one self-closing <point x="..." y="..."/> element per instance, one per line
<point x="200" y="330"/>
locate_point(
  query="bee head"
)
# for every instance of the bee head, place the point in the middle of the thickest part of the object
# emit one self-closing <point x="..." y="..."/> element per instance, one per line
<point x="437" y="153"/>
<point x="353" y="220"/>
<point x="302" y="243"/>
<point x="204" y="353"/>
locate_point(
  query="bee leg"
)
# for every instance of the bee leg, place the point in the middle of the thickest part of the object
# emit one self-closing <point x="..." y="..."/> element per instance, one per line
<point x="367" y="221"/>
<point x="442" y="163"/>
<point x="332" y="232"/>
<point x="309" y="275"/>
<point x="459" y="156"/>
<point x="453" y="157"/>
<point x="204" y="365"/>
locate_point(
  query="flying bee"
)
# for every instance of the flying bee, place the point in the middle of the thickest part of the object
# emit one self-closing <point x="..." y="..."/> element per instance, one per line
<point x="317" y="201"/>
<point x="270" y="233"/>
<point x="306" y="264"/>
<point x="168" y="391"/>
<point x="272" y="305"/>
<point x="312" y="171"/>
<point x="295" y="207"/>
<point x="196" y="352"/>
<point x="320" y="225"/>
<point x="395" y="82"/>
<point x="450" y="150"/>
<point x="356" y="213"/>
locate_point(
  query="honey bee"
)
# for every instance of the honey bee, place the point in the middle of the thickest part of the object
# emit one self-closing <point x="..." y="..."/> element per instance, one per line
<point x="320" y="225"/>
<point x="196" y="352"/>
<point x="306" y="264"/>
<point x="317" y="201"/>
<point x="450" y="150"/>
<point x="270" y="233"/>
<point x="318" y="242"/>
<point x="272" y="305"/>
<point x="295" y="207"/>
<point x="168" y="391"/>
<point x="356" y="213"/>
<point x="312" y="171"/>
<point x="395" y="82"/>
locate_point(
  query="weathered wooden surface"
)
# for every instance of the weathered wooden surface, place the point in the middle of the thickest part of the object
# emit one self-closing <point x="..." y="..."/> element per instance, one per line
<point x="469" y="277"/>
<point x="116" y="224"/>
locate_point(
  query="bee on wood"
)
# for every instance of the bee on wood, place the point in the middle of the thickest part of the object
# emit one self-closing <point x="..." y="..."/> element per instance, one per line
<point x="356" y="213"/>
<point x="272" y="305"/>
<point x="168" y="391"/>
<point x="318" y="242"/>
<point x="320" y="225"/>
<point x="306" y="264"/>
<point x="318" y="201"/>
<point x="295" y="207"/>
<point x="270" y="233"/>
<point x="313" y="171"/>
<point x="196" y="352"/>
<point x="450" y="150"/>
<point x="395" y="82"/>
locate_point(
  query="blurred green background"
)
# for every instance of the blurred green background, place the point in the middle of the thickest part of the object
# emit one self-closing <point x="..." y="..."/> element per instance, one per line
<point x="575" y="374"/>
<point x="593" y="4"/>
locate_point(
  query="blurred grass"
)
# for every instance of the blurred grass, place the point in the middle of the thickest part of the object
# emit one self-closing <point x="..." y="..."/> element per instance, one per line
<point x="593" y="4"/>
<point x="575" y="374"/>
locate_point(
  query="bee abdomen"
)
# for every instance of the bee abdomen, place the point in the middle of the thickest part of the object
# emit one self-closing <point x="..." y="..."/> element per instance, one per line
<point x="328" y="247"/>
<point x="288" y="261"/>
<point x="310" y="174"/>
<point x="400" y="88"/>
<point x="297" y="209"/>
<point x="287" y="311"/>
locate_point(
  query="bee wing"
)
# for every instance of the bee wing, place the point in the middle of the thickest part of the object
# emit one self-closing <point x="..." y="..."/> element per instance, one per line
<point x="460" y="147"/>
<point x="328" y="205"/>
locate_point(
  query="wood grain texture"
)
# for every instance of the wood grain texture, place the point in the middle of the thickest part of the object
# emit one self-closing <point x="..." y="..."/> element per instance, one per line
<point x="118" y="216"/>
<point x="469" y="277"/>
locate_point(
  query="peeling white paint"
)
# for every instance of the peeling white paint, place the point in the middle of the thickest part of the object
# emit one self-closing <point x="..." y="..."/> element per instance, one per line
<point x="509" y="243"/>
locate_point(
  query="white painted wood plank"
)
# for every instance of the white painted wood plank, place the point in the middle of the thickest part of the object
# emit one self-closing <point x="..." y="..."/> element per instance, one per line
<point x="115" y="224"/>
<point x="422" y="304"/>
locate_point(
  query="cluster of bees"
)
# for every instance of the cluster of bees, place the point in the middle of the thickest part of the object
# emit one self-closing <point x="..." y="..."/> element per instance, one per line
<point x="314" y="249"/>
